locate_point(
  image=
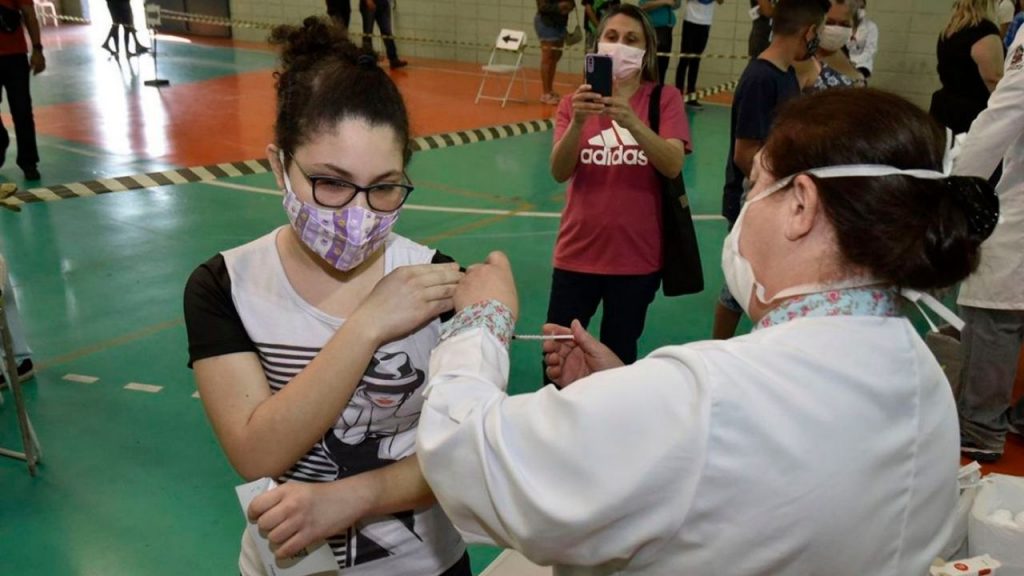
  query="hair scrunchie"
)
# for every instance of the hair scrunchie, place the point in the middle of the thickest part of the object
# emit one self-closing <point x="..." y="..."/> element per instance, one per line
<point x="367" y="61"/>
<point x="979" y="201"/>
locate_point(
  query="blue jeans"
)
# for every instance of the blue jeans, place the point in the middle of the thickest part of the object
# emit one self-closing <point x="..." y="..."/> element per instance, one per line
<point x="382" y="16"/>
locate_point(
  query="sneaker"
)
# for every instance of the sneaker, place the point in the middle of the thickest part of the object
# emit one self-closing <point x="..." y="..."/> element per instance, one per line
<point x="110" y="50"/>
<point x="984" y="455"/>
<point x="26" y="371"/>
<point x="695" y="104"/>
<point x="396" y="64"/>
<point x="31" y="173"/>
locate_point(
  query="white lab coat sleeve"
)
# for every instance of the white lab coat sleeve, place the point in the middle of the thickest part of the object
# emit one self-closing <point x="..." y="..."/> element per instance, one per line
<point x="599" y="472"/>
<point x="870" y="47"/>
<point x="998" y="126"/>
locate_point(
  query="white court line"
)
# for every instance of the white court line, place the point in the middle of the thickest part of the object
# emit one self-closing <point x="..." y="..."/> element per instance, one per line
<point x="80" y="378"/>
<point x="446" y="209"/>
<point x="143" y="387"/>
<point x="78" y="151"/>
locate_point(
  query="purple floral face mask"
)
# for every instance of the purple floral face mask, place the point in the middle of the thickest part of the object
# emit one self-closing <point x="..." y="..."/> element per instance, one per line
<point x="345" y="237"/>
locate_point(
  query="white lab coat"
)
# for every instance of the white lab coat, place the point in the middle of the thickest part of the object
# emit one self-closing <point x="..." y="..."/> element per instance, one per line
<point x="864" y="45"/>
<point x="998" y="134"/>
<point x="820" y="446"/>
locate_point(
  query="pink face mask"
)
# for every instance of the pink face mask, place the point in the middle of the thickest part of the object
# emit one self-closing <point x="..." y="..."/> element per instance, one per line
<point x="345" y="237"/>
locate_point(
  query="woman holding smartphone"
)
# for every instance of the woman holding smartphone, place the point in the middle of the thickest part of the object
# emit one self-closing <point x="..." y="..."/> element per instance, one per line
<point x="609" y="242"/>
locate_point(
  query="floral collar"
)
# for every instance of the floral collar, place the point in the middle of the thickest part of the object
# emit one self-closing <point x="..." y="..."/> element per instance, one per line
<point x="845" y="302"/>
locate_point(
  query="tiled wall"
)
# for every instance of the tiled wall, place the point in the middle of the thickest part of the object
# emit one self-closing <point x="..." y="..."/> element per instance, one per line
<point x="905" y="62"/>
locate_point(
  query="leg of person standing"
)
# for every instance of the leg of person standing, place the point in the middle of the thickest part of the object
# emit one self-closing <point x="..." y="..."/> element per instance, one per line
<point x="552" y="39"/>
<point x="574" y="296"/>
<point x="366" y="10"/>
<point x="695" y="41"/>
<point x="664" y="37"/>
<point x="625" y="300"/>
<point x="15" y="71"/>
<point x="991" y="348"/>
<point x="684" y="63"/>
<point x="383" y="17"/>
<point x="340" y="12"/>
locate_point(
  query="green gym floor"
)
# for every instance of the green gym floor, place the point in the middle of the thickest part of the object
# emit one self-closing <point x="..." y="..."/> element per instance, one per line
<point x="132" y="481"/>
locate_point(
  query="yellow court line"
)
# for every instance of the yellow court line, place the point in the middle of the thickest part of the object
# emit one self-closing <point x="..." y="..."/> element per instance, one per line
<point x="112" y="343"/>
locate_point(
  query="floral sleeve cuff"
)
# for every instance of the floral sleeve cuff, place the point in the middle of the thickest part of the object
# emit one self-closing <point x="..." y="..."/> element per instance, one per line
<point x="490" y="315"/>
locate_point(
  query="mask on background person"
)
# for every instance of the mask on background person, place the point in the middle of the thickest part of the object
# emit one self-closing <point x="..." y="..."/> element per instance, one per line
<point x="833" y="38"/>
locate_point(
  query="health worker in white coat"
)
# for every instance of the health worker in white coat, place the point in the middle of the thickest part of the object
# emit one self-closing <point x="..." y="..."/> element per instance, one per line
<point x="992" y="299"/>
<point x="824" y="442"/>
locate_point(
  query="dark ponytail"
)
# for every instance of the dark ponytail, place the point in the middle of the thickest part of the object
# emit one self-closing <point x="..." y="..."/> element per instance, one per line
<point x="324" y="79"/>
<point x="911" y="232"/>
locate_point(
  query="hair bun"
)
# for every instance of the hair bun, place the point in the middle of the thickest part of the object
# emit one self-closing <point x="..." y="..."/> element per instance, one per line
<point x="978" y="199"/>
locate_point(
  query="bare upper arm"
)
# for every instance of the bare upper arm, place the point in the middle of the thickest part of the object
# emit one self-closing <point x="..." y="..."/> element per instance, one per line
<point x="987" y="53"/>
<point x="231" y="387"/>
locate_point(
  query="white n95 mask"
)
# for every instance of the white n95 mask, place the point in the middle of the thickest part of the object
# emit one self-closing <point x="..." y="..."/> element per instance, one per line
<point x="833" y="38"/>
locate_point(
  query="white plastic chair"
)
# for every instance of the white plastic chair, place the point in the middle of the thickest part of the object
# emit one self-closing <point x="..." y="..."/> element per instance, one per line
<point x="509" y="43"/>
<point x="8" y="366"/>
<point x="45" y="9"/>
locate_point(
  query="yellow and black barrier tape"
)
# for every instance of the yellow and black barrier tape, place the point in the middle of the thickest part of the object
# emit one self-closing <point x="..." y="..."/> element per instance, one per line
<point x="175" y="15"/>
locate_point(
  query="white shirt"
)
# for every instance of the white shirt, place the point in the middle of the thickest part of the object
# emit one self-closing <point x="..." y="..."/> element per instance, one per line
<point x="863" y="45"/>
<point x="998" y="134"/>
<point x="819" y="446"/>
<point x="698" y="13"/>
<point x="376" y="428"/>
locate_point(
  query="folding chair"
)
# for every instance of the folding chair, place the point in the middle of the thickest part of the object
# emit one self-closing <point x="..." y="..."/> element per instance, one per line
<point x="45" y="9"/>
<point x="509" y="42"/>
<point x="9" y="367"/>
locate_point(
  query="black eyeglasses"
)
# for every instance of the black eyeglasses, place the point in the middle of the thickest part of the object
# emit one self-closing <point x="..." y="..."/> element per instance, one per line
<point x="331" y="192"/>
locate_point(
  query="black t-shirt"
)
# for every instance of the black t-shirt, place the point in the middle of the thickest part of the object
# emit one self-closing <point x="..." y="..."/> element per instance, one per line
<point x="964" y="94"/>
<point x="761" y="89"/>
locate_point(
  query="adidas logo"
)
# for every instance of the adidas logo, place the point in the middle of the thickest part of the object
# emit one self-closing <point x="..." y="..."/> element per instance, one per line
<point x="616" y="147"/>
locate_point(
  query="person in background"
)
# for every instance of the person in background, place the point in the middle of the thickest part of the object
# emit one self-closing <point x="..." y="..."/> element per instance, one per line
<point x="696" y="31"/>
<point x="1005" y="11"/>
<point x="310" y="344"/>
<point x="970" y="64"/>
<point x="761" y="29"/>
<point x="379" y="11"/>
<point x="593" y="12"/>
<point x="662" y="14"/>
<point x="767" y="82"/>
<point x="823" y="442"/>
<point x="550" y="23"/>
<point x="608" y="251"/>
<point x="831" y="68"/>
<point x="340" y="12"/>
<point x="15" y="71"/>
<point x="863" y="44"/>
<point x="1015" y="24"/>
<point x="992" y="299"/>
<point x="121" y="15"/>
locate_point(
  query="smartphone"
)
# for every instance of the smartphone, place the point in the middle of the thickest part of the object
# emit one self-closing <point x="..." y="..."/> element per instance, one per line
<point x="599" y="73"/>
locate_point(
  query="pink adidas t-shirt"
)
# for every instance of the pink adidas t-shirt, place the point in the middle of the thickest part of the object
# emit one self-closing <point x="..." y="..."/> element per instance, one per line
<point x="612" y="218"/>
